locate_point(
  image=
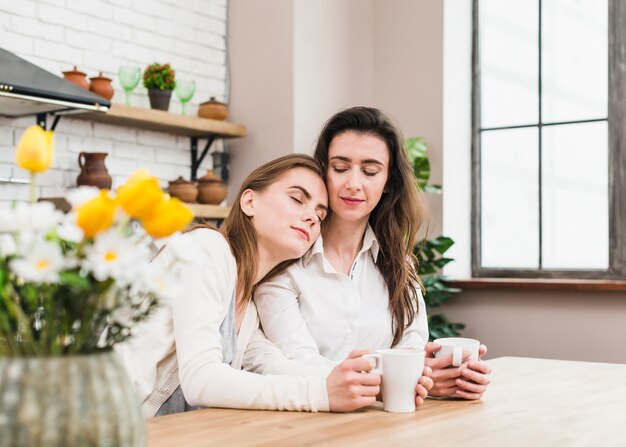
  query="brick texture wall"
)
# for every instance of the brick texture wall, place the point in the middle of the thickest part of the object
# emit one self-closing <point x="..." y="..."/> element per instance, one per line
<point x="101" y="35"/>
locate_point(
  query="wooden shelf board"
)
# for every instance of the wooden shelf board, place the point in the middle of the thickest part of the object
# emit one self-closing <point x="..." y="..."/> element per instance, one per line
<point x="541" y="284"/>
<point x="209" y="211"/>
<point x="162" y="121"/>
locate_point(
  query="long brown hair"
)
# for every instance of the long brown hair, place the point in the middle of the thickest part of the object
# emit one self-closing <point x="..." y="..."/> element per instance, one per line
<point x="397" y="217"/>
<point x="239" y="230"/>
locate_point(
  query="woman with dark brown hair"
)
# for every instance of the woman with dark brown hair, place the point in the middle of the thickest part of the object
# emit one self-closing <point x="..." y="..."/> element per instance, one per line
<point x="358" y="286"/>
<point x="189" y="354"/>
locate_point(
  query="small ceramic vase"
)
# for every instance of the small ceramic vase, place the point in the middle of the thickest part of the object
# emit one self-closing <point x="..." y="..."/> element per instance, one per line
<point x="213" y="109"/>
<point x="101" y="85"/>
<point x="183" y="190"/>
<point x="211" y="189"/>
<point x="77" y="77"/>
<point x="93" y="172"/>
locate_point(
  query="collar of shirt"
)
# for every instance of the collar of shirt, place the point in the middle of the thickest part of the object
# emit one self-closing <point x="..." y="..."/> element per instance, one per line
<point x="369" y="243"/>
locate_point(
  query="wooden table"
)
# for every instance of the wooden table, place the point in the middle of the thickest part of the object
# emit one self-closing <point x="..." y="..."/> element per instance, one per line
<point x="530" y="402"/>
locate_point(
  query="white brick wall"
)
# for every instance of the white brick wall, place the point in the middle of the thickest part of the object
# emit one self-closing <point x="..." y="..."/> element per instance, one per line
<point x="101" y="35"/>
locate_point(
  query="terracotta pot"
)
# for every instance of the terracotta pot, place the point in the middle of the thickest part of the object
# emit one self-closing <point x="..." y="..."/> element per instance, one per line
<point x="211" y="189"/>
<point x="183" y="189"/>
<point x="159" y="99"/>
<point x="93" y="172"/>
<point x="77" y="77"/>
<point x="213" y="109"/>
<point x="101" y="85"/>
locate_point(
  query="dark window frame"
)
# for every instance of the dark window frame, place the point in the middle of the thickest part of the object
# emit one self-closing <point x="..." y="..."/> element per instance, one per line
<point x="616" y="162"/>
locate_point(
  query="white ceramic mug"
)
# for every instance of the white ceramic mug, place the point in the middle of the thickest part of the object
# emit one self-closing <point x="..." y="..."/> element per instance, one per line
<point x="456" y="346"/>
<point x="400" y="370"/>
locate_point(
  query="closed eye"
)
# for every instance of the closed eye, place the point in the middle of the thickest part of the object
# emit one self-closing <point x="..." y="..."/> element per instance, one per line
<point x="296" y="199"/>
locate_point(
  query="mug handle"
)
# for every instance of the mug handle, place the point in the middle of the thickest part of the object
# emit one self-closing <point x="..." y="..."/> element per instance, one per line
<point x="378" y="363"/>
<point x="457" y="356"/>
<point x="81" y="157"/>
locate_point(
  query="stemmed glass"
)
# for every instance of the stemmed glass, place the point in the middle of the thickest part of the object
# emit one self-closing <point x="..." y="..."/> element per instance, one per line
<point x="129" y="76"/>
<point x="185" y="88"/>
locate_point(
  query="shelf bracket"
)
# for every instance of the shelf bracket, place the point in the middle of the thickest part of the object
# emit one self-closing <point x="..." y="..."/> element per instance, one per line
<point x="195" y="160"/>
<point x="42" y="120"/>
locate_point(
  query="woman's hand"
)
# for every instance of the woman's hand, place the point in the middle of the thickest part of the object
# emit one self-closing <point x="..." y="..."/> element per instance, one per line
<point x="424" y="384"/>
<point x="350" y="386"/>
<point x="468" y="381"/>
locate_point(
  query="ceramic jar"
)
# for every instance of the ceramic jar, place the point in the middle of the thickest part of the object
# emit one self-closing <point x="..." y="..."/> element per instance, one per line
<point x="78" y="400"/>
<point x="77" y="77"/>
<point x="101" y="85"/>
<point x="93" y="171"/>
<point x="213" y="109"/>
<point x="183" y="190"/>
<point x="211" y="189"/>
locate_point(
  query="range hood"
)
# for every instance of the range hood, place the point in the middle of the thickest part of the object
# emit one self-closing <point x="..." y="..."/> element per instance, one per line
<point x="26" y="89"/>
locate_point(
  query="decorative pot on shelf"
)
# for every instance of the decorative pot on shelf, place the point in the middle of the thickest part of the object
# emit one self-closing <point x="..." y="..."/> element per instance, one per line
<point x="80" y="400"/>
<point x="211" y="189"/>
<point x="77" y="77"/>
<point x="159" y="99"/>
<point x="93" y="171"/>
<point x="213" y="109"/>
<point x="101" y="85"/>
<point x="183" y="190"/>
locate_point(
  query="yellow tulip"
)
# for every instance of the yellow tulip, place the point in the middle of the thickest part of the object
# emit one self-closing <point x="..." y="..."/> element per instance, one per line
<point x="140" y="194"/>
<point x="35" y="149"/>
<point x="97" y="214"/>
<point x="168" y="217"/>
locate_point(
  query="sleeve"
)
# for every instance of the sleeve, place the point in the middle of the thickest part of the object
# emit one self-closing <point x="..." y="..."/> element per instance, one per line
<point x="283" y="323"/>
<point x="208" y="281"/>
<point x="416" y="335"/>
<point x="263" y="357"/>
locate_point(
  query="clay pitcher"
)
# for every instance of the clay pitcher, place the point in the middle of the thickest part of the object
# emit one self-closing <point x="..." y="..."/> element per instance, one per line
<point x="93" y="172"/>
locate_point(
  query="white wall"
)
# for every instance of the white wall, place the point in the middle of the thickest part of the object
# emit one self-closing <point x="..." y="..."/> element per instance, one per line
<point x="99" y="35"/>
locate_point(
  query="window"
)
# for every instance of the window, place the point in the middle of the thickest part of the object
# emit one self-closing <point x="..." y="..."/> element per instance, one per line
<point x="548" y="125"/>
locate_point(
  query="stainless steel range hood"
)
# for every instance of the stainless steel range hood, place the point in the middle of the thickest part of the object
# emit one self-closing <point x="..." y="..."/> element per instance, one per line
<point x="26" y="89"/>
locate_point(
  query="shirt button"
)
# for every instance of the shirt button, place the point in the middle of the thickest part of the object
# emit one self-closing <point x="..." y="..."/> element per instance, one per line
<point x="166" y="390"/>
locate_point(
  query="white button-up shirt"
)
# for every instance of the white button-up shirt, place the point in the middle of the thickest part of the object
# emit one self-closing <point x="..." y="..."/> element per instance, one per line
<point x="317" y="315"/>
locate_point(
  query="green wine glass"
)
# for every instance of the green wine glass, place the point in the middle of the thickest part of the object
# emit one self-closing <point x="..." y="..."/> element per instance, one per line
<point x="129" y="76"/>
<point x="185" y="88"/>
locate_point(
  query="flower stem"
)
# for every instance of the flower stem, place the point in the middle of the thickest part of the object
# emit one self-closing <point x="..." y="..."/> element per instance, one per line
<point x="33" y="194"/>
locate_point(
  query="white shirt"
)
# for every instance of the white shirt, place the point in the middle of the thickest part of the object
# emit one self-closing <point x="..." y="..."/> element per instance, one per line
<point x="181" y="342"/>
<point x="317" y="315"/>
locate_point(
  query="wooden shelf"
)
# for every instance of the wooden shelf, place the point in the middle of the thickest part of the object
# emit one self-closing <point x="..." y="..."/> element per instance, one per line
<point x="209" y="211"/>
<point x="582" y="285"/>
<point x="151" y="119"/>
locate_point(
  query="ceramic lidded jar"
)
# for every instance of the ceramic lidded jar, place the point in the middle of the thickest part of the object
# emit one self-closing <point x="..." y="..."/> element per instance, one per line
<point x="101" y="85"/>
<point x="77" y="77"/>
<point x="211" y="189"/>
<point x="183" y="190"/>
<point x="93" y="171"/>
<point x="213" y="109"/>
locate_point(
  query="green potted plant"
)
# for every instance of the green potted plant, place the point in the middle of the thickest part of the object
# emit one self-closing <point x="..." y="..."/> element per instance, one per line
<point x="160" y="81"/>
<point x="431" y="252"/>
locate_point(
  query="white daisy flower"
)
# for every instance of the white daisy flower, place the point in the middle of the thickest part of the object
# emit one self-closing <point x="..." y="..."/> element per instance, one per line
<point x="8" y="246"/>
<point x="114" y="256"/>
<point x="40" y="264"/>
<point x="35" y="217"/>
<point x="69" y="231"/>
<point x="77" y="196"/>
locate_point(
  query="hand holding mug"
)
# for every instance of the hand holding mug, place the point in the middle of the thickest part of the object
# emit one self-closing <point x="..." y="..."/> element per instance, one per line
<point x="350" y="385"/>
<point x="469" y="379"/>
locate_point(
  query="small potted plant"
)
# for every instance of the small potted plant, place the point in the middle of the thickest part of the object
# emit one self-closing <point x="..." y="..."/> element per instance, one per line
<point x="159" y="80"/>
